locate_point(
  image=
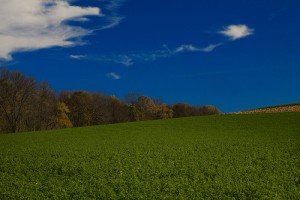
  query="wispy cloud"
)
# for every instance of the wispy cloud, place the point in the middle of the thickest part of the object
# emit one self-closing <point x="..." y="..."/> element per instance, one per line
<point x="166" y="52"/>
<point x="192" y="48"/>
<point x="186" y="47"/>
<point x="113" y="75"/>
<point x="112" y="21"/>
<point x="147" y="56"/>
<point x="118" y="59"/>
<point x="125" y="60"/>
<point x="211" y="47"/>
<point x="77" y="57"/>
<point x="36" y="24"/>
<point x="235" y="32"/>
<point x="111" y="14"/>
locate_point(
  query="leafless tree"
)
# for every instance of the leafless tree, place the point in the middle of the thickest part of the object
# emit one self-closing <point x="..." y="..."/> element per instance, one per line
<point x="16" y="91"/>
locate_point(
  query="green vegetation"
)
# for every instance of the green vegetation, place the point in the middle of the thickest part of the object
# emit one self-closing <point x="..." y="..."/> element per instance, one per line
<point x="229" y="156"/>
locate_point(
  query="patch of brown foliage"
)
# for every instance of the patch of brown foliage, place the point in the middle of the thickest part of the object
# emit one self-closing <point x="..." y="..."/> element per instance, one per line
<point x="277" y="109"/>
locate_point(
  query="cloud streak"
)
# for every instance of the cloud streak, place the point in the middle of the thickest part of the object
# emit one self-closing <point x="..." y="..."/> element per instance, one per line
<point x="111" y="15"/>
<point x="77" y="57"/>
<point x="117" y="59"/>
<point x="147" y="56"/>
<point x="233" y="32"/>
<point x="166" y="52"/>
<point x="192" y="48"/>
<point x="113" y="75"/>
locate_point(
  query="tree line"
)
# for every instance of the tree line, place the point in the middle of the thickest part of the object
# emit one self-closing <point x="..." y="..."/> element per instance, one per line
<point x="26" y="105"/>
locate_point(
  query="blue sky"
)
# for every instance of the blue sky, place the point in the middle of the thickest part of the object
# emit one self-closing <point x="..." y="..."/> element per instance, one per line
<point x="235" y="54"/>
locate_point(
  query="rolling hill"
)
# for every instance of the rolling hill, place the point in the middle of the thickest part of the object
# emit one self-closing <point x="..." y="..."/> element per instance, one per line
<point x="228" y="156"/>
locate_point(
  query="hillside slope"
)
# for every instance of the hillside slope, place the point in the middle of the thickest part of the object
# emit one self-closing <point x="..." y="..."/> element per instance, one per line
<point x="229" y="156"/>
<point x="274" y="109"/>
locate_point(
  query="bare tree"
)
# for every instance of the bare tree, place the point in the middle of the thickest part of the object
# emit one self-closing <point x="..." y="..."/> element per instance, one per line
<point x="15" y="93"/>
<point x="43" y="109"/>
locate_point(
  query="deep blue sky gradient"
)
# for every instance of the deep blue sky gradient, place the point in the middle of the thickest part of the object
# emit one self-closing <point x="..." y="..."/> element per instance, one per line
<point x="260" y="70"/>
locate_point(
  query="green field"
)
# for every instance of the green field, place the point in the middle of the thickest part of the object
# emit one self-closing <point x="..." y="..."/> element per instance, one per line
<point x="223" y="157"/>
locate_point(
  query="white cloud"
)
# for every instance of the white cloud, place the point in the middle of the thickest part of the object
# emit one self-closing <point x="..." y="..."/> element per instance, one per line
<point x="113" y="18"/>
<point x="113" y="4"/>
<point x="118" y="59"/>
<point x="166" y="52"/>
<point x="235" y="32"/>
<point x="192" y="48"/>
<point x="77" y="57"/>
<point x="112" y="22"/>
<point x="125" y="60"/>
<point x="185" y="47"/>
<point x="146" y="56"/>
<point x="113" y="76"/>
<point x="210" y="47"/>
<point x="36" y="24"/>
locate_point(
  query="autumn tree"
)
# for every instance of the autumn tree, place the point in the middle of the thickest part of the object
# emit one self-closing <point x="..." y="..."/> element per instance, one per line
<point x="62" y="119"/>
<point x="80" y="105"/>
<point x="119" y="110"/>
<point x="181" y="110"/>
<point x="42" y="109"/>
<point x="210" y="110"/>
<point x="146" y="109"/>
<point x="28" y="106"/>
<point x="185" y="110"/>
<point x="164" y="112"/>
<point x="16" y="92"/>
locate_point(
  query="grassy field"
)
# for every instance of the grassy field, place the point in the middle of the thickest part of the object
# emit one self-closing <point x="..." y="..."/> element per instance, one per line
<point x="225" y="157"/>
